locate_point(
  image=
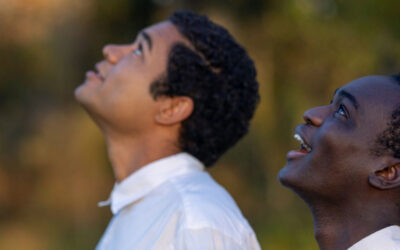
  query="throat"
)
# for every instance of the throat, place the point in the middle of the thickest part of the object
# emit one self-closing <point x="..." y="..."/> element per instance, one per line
<point x="331" y="237"/>
<point x="340" y="227"/>
<point x="127" y="155"/>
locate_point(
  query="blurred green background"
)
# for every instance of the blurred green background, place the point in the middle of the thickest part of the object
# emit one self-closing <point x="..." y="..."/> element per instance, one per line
<point x="53" y="163"/>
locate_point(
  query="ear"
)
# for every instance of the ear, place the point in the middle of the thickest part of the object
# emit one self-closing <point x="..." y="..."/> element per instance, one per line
<point x="386" y="178"/>
<point x="174" y="109"/>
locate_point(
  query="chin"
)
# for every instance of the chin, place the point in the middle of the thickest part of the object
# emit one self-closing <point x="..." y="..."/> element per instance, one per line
<point x="307" y="188"/>
<point x="78" y="93"/>
<point x="293" y="178"/>
<point x="85" y="98"/>
<point x="285" y="177"/>
<point x="84" y="95"/>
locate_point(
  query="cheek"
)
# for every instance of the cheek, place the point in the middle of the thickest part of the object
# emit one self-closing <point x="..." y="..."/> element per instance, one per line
<point x="126" y="100"/>
<point x="127" y="81"/>
<point x="133" y="74"/>
<point x="336" y="145"/>
<point x="340" y="157"/>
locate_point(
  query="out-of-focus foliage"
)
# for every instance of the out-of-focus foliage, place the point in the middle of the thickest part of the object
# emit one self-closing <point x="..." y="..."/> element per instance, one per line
<point x="53" y="164"/>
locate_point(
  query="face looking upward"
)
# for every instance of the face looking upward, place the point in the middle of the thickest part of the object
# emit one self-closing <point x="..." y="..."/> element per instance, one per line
<point x="336" y="157"/>
<point x="117" y="94"/>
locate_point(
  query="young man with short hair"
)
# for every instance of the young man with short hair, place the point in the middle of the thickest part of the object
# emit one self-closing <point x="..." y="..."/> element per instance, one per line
<point x="170" y="104"/>
<point x="348" y="166"/>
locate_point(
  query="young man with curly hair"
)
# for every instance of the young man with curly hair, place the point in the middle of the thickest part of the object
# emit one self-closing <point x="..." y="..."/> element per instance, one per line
<point x="348" y="166"/>
<point x="169" y="105"/>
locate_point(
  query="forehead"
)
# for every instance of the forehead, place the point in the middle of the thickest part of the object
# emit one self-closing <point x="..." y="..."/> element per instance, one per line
<point x="165" y="34"/>
<point x="381" y="93"/>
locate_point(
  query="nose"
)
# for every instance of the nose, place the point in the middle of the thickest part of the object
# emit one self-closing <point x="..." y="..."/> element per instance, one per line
<point x="113" y="53"/>
<point x="315" y="116"/>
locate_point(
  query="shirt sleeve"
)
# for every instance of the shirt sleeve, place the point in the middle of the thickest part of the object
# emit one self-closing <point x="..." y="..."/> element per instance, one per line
<point x="211" y="239"/>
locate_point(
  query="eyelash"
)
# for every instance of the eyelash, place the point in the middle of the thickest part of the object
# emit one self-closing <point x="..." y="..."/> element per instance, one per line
<point x="139" y="48"/>
<point x="342" y="107"/>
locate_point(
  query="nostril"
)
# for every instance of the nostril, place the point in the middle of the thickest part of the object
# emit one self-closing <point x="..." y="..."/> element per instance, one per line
<point x="110" y="53"/>
<point x="306" y="117"/>
<point x="314" y="116"/>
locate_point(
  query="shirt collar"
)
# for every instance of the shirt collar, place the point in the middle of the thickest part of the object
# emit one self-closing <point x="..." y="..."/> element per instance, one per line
<point x="148" y="177"/>
<point x="386" y="238"/>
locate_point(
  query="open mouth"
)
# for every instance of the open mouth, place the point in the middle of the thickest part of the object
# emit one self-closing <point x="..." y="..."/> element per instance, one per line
<point x="304" y="146"/>
<point x="305" y="149"/>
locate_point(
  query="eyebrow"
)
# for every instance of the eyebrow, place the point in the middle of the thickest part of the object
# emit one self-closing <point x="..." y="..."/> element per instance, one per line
<point x="349" y="96"/>
<point x="147" y="38"/>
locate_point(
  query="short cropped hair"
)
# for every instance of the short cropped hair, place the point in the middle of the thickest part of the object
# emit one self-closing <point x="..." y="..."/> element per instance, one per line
<point x="220" y="78"/>
<point x="389" y="140"/>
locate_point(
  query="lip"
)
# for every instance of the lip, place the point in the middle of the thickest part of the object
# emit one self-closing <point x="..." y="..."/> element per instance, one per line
<point x="98" y="70"/>
<point x="92" y="75"/>
<point x="295" y="154"/>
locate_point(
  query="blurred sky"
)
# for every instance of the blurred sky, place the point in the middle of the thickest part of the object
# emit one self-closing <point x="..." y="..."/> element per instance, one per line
<point x="53" y="163"/>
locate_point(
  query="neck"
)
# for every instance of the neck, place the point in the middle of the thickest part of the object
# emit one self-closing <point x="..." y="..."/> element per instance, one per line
<point x="339" y="227"/>
<point x="128" y="153"/>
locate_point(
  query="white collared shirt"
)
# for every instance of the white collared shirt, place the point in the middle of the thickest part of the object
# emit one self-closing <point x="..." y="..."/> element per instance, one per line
<point x="384" y="239"/>
<point x="173" y="203"/>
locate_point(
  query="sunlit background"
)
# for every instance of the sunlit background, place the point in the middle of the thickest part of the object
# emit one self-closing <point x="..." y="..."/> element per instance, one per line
<point x="54" y="167"/>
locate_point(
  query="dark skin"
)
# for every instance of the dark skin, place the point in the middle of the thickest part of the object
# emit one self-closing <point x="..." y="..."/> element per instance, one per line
<point x="351" y="191"/>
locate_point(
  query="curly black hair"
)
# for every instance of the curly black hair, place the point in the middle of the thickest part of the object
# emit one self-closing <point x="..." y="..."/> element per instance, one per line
<point x="389" y="140"/>
<point x="220" y="78"/>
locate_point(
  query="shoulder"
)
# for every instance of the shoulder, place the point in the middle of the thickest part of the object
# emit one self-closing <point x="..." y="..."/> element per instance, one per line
<point x="207" y="205"/>
<point x="387" y="238"/>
